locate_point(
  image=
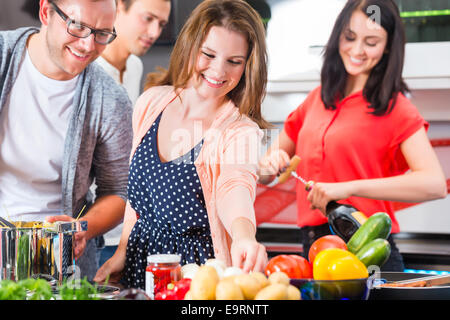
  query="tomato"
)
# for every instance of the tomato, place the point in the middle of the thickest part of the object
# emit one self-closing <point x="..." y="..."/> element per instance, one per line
<point x="325" y="242"/>
<point x="295" y="266"/>
<point x="304" y="265"/>
<point x="338" y="264"/>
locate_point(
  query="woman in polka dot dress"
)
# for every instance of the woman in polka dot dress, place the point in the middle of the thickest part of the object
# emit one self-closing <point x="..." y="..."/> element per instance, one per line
<point x="192" y="176"/>
<point x="170" y="200"/>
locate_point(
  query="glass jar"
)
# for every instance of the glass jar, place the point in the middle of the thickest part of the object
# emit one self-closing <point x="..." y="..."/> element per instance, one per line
<point x="162" y="269"/>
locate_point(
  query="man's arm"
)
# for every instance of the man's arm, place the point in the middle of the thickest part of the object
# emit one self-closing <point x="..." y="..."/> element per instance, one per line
<point x="104" y="215"/>
<point x="110" y="166"/>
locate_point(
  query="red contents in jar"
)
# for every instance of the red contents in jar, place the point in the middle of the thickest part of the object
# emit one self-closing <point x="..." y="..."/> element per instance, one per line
<point x="161" y="270"/>
<point x="163" y="275"/>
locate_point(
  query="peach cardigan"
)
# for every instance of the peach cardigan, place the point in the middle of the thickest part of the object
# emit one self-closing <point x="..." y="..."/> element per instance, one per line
<point x="226" y="165"/>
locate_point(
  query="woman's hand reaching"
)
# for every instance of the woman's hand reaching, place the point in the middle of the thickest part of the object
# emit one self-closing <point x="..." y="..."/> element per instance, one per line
<point x="248" y="254"/>
<point x="111" y="269"/>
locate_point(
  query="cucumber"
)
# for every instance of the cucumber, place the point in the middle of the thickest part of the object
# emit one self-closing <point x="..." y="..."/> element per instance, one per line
<point x="377" y="226"/>
<point x="376" y="252"/>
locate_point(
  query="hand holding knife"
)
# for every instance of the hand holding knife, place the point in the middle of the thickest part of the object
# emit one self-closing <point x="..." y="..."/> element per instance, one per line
<point x="290" y="171"/>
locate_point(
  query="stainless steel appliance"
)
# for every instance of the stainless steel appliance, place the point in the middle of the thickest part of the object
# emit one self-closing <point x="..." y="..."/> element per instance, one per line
<point x="34" y="248"/>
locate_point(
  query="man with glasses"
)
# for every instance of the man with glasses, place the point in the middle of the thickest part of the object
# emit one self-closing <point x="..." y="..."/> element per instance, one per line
<point x="138" y="24"/>
<point x="64" y="123"/>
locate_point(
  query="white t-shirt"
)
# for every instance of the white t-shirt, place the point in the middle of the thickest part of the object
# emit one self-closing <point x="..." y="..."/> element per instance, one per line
<point x="33" y="126"/>
<point x="132" y="75"/>
<point x="132" y="83"/>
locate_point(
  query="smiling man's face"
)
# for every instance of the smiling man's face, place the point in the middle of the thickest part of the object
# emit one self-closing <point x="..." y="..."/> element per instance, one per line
<point x="71" y="55"/>
<point x="140" y="25"/>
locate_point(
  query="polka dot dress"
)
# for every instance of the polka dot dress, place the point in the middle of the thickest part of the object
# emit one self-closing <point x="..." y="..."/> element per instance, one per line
<point x="169" y="200"/>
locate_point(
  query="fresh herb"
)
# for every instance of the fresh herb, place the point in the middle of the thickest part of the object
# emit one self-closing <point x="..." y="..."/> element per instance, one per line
<point x="78" y="290"/>
<point x="28" y="289"/>
<point x="39" y="289"/>
<point x="10" y="290"/>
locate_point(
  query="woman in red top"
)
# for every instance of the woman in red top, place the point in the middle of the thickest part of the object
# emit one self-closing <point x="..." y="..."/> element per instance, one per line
<point x="357" y="133"/>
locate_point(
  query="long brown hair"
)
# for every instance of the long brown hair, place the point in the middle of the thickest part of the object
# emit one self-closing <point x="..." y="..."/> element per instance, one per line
<point x="235" y="15"/>
<point x="385" y="80"/>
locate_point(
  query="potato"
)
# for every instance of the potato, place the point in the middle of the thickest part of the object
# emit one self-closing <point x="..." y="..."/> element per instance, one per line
<point x="203" y="285"/>
<point x="261" y="278"/>
<point x="228" y="278"/>
<point x="293" y="293"/>
<point x="248" y="284"/>
<point x="276" y="291"/>
<point x="188" y="295"/>
<point x="228" y="290"/>
<point x="279" y="277"/>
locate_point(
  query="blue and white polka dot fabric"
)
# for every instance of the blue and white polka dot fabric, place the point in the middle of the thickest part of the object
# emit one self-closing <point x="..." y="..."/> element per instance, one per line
<point x="172" y="216"/>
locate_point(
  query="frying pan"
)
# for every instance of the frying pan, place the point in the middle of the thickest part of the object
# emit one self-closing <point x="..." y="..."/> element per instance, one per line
<point x="438" y="292"/>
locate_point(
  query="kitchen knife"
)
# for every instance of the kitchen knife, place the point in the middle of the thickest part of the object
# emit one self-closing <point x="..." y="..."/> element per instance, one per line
<point x="419" y="282"/>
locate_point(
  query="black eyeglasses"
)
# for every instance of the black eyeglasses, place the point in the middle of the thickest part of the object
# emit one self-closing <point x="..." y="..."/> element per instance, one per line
<point x="80" y="30"/>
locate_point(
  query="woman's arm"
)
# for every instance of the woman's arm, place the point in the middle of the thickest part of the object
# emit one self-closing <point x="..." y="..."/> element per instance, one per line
<point x="128" y="223"/>
<point x="236" y="209"/>
<point x="425" y="180"/>
<point x="246" y="252"/>
<point x="235" y="195"/>
<point x="276" y="158"/>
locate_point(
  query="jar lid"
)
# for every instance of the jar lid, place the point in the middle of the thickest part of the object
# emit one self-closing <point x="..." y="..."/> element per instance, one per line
<point x="164" y="258"/>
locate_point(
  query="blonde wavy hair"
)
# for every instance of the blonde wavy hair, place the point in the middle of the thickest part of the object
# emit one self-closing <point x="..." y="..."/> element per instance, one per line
<point x="235" y="15"/>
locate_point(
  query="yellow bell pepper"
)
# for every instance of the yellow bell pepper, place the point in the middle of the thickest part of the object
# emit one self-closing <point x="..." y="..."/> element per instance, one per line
<point x="338" y="264"/>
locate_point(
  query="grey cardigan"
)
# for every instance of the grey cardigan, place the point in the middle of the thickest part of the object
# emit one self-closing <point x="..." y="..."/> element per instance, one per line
<point x="98" y="140"/>
<point x="99" y="136"/>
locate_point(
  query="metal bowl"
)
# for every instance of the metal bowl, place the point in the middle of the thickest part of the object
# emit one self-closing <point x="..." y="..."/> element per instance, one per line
<point x="354" y="289"/>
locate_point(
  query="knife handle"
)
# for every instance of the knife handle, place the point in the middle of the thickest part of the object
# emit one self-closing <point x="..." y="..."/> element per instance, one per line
<point x="292" y="167"/>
